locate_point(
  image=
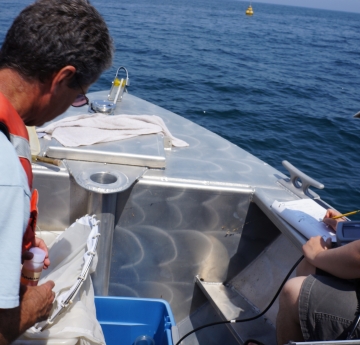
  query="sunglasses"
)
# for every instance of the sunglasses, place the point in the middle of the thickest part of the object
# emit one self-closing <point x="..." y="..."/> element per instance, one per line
<point x="80" y="99"/>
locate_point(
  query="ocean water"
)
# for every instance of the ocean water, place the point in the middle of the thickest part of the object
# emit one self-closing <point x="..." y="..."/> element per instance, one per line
<point x="282" y="84"/>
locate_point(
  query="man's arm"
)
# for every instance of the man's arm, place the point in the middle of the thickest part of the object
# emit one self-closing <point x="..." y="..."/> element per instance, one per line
<point x="342" y="262"/>
<point x="35" y="306"/>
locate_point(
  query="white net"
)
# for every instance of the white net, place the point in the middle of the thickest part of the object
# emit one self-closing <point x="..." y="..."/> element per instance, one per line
<point x="73" y="317"/>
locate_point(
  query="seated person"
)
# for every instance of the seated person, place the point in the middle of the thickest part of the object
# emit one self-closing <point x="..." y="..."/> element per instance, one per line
<point x="321" y="302"/>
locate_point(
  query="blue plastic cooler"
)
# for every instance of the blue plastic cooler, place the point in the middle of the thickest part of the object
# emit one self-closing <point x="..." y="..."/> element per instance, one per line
<point x="124" y="319"/>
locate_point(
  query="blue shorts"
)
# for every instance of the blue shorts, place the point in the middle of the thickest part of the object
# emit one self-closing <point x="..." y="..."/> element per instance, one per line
<point x="327" y="306"/>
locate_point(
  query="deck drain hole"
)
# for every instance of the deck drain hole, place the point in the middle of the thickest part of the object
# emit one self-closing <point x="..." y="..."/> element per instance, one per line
<point x="103" y="178"/>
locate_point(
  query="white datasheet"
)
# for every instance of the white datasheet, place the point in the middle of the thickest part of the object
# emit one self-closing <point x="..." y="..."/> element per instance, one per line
<point x="306" y="216"/>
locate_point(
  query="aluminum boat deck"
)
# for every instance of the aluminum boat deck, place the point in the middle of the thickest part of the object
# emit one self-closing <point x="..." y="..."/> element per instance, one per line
<point x="190" y="225"/>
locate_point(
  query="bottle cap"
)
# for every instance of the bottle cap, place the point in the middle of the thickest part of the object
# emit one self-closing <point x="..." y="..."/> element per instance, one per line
<point x="39" y="254"/>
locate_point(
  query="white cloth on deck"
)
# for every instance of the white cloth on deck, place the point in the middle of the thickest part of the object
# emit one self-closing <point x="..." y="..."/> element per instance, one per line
<point x="78" y="321"/>
<point x="89" y="129"/>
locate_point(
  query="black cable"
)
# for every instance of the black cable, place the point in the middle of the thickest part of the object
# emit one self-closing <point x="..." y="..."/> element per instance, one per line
<point x="353" y="325"/>
<point x="250" y="318"/>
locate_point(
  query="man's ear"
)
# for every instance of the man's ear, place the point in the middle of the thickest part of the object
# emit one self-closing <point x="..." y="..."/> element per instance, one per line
<point x="62" y="78"/>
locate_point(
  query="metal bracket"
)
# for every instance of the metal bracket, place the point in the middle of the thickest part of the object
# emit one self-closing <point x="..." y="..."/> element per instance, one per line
<point x="299" y="182"/>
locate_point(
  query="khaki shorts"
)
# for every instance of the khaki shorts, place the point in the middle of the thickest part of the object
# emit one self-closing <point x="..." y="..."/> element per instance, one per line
<point x="327" y="306"/>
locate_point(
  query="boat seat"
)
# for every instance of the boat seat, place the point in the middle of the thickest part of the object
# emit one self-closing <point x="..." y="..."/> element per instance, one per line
<point x="229" y="304"/>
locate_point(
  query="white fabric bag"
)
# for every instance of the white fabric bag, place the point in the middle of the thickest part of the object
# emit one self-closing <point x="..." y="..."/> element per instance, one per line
<point x="77" y="323"/>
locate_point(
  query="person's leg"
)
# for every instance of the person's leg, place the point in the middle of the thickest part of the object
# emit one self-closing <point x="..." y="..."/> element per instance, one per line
<point x="287" y="322"/>
<point x="327" y="307"/>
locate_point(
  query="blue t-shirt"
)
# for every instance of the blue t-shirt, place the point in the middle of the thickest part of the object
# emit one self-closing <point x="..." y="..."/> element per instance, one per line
<point x="14" y="215"/>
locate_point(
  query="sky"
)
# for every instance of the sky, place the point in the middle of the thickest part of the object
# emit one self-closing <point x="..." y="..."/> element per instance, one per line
<point x="335" y="5"/>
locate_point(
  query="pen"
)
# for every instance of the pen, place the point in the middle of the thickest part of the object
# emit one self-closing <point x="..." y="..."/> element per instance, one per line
<point x="345" y="214"/>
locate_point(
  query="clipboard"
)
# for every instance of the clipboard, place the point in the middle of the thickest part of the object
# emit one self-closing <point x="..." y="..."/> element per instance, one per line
<point x="305" y="215"/>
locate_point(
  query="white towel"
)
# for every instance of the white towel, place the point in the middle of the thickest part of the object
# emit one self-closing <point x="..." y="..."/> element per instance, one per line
<point x="100" y="128"/>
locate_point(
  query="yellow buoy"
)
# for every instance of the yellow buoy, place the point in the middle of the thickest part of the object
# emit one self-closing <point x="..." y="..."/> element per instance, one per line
<point x="249" y="11"/>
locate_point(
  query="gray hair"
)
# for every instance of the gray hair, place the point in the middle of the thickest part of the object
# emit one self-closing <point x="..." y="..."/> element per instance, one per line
<point x="51" y="34"/>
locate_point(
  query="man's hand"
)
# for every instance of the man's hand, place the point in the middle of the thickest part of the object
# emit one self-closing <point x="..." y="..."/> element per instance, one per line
<point x="332" y="222"/>
<point x="40" y="244"/>
<point x="314" y="246"/>
<point x="36" y="302"/>
<point x="35" y="305"/>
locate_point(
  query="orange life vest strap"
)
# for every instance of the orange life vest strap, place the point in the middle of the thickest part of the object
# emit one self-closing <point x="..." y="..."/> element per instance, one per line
<point x="11" y="120"/>
<point x="29" y="236"/>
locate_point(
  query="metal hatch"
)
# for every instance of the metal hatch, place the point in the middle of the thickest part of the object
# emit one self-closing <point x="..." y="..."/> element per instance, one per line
<point x="145" y="151"/>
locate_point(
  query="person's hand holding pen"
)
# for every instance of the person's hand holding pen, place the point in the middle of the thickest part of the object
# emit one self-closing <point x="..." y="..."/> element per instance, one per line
<point x="330" y="219"/>
<point x="314" y="247"/>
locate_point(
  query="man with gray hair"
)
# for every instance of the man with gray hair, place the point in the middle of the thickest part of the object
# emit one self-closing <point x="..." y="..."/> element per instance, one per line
<point x="52" y="53"/>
